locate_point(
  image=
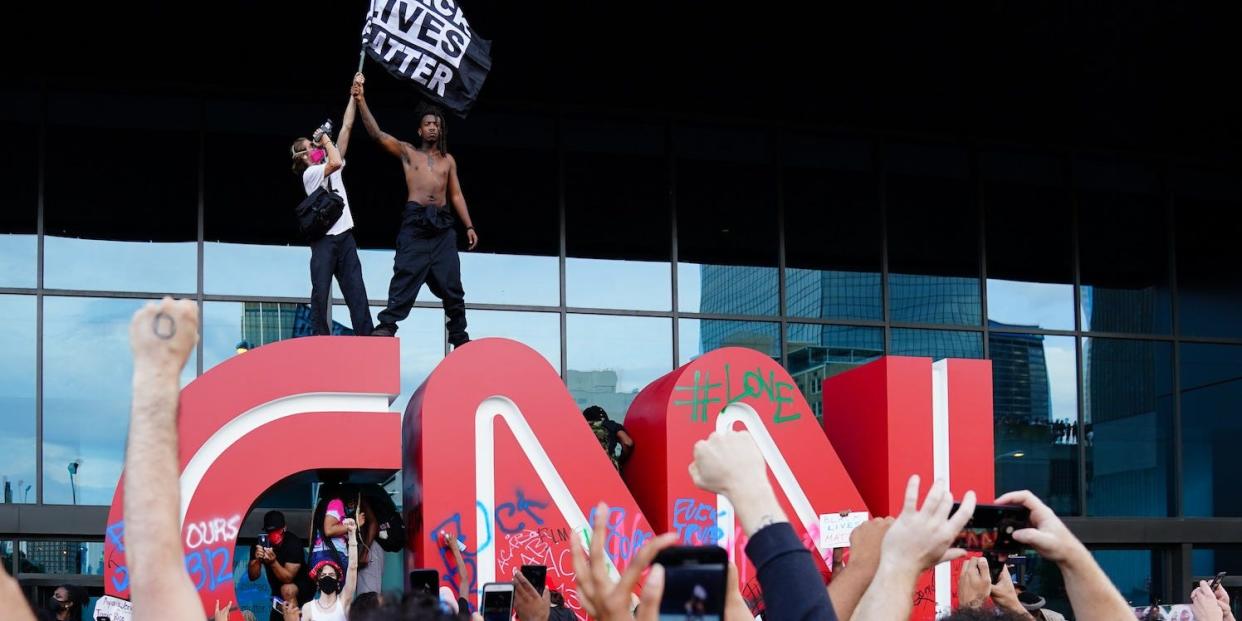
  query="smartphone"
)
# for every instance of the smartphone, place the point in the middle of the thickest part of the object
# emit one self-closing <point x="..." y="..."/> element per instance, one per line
<point x="1216" y="581"/>
<point x="991" y="528"/>
<point x="497" y="601"/>
<point x="103" y="618"/>
<point x="278" y="604"/>
<point x="263" y="541"/>
<point x="694" y="583"/>
<point x="425" y="581"/>
<point x="537" y="575"/>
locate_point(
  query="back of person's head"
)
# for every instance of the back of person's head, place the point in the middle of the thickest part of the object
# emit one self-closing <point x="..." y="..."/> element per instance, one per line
<point x="412" y="607"/>
<point x="983" y="614"/>
<point x="363" y="603"/>
<point x="594" y="414"/>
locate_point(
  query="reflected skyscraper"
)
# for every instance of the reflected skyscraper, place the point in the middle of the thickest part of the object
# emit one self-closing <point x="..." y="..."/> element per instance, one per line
<point x="1021" y="392"/>
<point x="268" y="322"/>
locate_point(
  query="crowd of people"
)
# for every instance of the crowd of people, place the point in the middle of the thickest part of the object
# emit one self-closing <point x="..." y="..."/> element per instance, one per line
<point x="887" y="555"/>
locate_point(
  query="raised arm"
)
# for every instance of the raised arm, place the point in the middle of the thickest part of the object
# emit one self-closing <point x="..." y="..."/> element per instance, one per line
<point x="347" y="124"/>
<point x="390" y="144"/>
<point x="458" y="201"/>
<point x="162" y="336"/>
<point x="351" y="575"/>
<point x="1090" y="592"/>
<point x="335" y="161"/>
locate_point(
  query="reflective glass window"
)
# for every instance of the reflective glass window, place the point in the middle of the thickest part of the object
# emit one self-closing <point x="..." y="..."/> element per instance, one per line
<point x="817" y="352"/>
<point x="62" y="557"/>
<point x="87" y="377"/>
<point x="727" y="234"/>
<point x="832" y="229"/>
<point x="617" y="221"/>
<point x="698" y="336"/>
<point x="1208" y="560"/>
<point x="422" y="338"/>
<point x="1123" y="247"/>
<point x="1211" y="429"/>
<point x="1209" y="285"/>
<point x="936" y="344"/>
<point x="138" y="227"/>
<point x="539" y="331"/>
<point x="1035" y="413"/>
<point x="19" y="175"/>
<point x="1128" y="405"/>
<point x="1137" y="574"/>
<point x="1029" y="236"/>
<point x="612" y="358"/>
<point x="933" y="245"/>
<point x="17" y="399"/>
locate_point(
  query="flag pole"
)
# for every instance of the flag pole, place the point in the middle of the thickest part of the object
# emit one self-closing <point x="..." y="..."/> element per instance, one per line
<point x="362" y="57"/>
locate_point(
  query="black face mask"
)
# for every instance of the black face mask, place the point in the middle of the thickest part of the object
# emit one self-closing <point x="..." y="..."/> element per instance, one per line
<point x="328" y="584"/>
<point x="56" y="605"/>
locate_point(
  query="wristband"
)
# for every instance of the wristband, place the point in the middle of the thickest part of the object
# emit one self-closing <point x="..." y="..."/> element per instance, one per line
<point x="470" y="228"/>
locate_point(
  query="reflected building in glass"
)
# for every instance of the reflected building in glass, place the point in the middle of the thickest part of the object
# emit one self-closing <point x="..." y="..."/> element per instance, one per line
<point x="268" y="322"/>
<point x="590" y="388"/>
<point x="1034" y="448"/>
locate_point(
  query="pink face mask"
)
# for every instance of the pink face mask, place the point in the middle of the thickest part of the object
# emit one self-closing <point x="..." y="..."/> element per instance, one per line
<point x="316" y="155"/>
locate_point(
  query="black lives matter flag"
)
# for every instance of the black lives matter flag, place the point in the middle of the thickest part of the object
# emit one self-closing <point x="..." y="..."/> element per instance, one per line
<point x="430" y="43"/>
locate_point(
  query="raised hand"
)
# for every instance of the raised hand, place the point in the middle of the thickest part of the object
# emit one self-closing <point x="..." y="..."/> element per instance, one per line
<point x="528" y="603"/>
<point x="727" y="462"/>
<point x="222" y="614"/>
<point x="350" y="525"/>
<point x="974" y="583"/>
<point x="921" y="537"/>
<point x="1048" y="535"/>
<point x="603" y="599"/>
<point x="162" y="335"/>
<point x="1204" y="604"/>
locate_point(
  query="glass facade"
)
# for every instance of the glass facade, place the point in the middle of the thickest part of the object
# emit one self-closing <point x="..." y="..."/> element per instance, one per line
<point x="1101" y="289"/>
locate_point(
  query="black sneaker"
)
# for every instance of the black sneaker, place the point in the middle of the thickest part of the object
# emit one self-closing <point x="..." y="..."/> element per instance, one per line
<point x="384" y="329"/>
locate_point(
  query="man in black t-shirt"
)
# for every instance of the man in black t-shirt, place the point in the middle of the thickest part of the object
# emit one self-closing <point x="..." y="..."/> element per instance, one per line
<point x="285" y="560"/>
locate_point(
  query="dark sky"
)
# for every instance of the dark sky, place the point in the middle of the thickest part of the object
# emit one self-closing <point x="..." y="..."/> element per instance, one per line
<point x="1131" y="74"/>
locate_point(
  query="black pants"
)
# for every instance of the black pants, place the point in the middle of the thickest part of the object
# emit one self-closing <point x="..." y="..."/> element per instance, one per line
<point x="427" y="252"/>
<point x="337" y="255"/>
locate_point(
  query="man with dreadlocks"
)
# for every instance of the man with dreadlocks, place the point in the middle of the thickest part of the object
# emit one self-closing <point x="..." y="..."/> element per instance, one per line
<point x="426" y="243"/>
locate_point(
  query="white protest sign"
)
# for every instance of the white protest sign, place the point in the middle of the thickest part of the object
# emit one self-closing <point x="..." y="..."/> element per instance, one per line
<point x="835" y="528"/>
<point x="112" y="608"/>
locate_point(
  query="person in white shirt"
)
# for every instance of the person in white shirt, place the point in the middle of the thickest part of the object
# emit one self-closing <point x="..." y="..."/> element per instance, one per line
<point x="336" y="254"/>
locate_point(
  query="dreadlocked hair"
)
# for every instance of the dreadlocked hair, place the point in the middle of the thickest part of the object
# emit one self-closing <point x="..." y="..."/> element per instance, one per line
<point x="425" y="109"/>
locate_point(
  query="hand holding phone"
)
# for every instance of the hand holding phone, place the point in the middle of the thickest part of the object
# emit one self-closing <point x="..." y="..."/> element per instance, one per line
<point x="497" y="601"/>
<point x="536" y="575"/>
<point x="1216" y="581"/>
<point x="991" y="529"/>
<point x="694" y="583"/>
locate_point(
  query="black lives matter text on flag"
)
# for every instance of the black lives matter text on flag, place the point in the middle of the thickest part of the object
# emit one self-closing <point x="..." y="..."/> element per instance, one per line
<point x="430" y="43"/>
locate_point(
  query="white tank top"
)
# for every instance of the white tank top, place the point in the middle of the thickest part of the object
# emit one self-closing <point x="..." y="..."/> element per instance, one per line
<point x="319" y="613"/>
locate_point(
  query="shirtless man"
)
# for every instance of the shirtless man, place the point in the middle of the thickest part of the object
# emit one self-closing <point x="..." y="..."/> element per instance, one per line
<point x="426" y="243"/>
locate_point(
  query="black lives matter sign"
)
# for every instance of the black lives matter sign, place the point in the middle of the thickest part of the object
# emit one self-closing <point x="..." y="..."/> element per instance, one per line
<point x="430" y="43"/>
